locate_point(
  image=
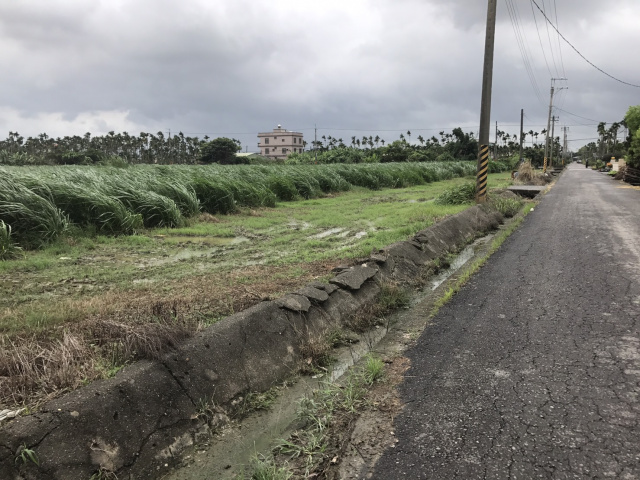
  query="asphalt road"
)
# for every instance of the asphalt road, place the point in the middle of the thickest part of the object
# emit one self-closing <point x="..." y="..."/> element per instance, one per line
<point x="533" y="369"/>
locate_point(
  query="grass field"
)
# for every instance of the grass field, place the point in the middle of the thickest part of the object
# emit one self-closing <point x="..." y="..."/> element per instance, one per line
<point x="40" y="203"/>
<point x="83" y="306"/>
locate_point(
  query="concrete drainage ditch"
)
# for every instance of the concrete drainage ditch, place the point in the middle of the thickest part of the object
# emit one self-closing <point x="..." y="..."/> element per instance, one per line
<point x="140" y="423"/>
<point x="226" y="455"/>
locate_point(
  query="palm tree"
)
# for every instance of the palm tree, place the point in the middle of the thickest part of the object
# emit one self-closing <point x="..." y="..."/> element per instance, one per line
<point x="409" y="135"/>
<point x="420" y="139"/>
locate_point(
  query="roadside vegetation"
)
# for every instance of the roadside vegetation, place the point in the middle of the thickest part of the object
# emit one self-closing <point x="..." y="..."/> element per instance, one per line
<point x="89" y="302"/>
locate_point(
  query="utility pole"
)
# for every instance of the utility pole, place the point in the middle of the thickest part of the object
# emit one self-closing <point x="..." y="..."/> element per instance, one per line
<point x="546" y="143"/>
<point x="495" y="145"/>
<point x="485" y="104"/>
<point x="315" y="141"/>
<point x="565" y="150"/>
<point x="521" y="132"/>
<point x="553" y="139"/>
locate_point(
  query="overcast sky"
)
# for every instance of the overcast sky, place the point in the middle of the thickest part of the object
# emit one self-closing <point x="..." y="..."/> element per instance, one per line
<point x="350" y="67"/>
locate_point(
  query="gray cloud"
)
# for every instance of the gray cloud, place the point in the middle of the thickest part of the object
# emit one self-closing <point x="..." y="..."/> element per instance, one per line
<point x="241" y="66"/>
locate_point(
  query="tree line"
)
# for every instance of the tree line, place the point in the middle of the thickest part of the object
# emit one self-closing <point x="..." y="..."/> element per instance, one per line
<point x="180" y="149"/>
<point x="123" y="147"/>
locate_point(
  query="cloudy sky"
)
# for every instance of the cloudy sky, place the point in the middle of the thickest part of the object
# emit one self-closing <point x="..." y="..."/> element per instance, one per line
<point x="350" y="67"/>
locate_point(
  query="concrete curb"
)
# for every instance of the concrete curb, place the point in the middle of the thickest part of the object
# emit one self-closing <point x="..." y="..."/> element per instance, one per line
<point x="138" y="423"/>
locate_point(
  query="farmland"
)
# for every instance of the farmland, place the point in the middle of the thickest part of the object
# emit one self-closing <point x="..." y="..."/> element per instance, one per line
<point x="88" y="301"/>
<point x="40" y="203"/>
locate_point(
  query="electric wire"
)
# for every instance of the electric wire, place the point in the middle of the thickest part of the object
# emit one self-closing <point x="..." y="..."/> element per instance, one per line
<point x="578" y="52"/>
<point x="555" y="9"/>
<point x="540" y="40"/>
<point x="515" y="23"/>
<point x="553" y="58"/>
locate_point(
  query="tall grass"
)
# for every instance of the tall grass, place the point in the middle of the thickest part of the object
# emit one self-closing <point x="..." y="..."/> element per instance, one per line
<point x="34" y="220"/>
<point x="39" y="202"/>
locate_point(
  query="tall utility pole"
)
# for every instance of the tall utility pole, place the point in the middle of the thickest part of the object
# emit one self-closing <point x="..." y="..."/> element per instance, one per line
<point x="546" y="143"/>
<point x="315" y="142"/>
<point x="553" y="139"/>
<point x="485" y="105"/>
<point x="495" y="145"/>
<point x="521" y="132"/>
<point x="565" y="150"/>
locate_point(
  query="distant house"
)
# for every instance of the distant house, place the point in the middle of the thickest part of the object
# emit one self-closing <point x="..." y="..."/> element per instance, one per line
<point x="280" y="143"/>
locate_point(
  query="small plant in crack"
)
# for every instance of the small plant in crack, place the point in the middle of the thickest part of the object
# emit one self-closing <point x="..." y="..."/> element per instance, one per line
<point x="205" y="409"/>
<point x="307" y="445"/>
<point x="103" y="474"/>
<point x="392" y="296"/>
<point x="373" y="369"/>
<point x="314" y="414"/>
<point x="316" y="355"/>
<point x="263" y="468"/>
<point x="338" y="337"/>
<point x="255" y="401"/>
<point x="27" y="455"/>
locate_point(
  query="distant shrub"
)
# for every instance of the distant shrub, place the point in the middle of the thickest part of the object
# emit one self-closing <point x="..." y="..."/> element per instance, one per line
<point x="445" y="157"/>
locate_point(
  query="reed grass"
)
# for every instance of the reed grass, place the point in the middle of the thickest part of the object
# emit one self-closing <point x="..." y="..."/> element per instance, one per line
<point x="39" y="202"/>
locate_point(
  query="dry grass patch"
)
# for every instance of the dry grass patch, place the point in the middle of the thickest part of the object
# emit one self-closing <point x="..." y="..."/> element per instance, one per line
<point x="105" y="332"/>
<point x="528" y="176"/>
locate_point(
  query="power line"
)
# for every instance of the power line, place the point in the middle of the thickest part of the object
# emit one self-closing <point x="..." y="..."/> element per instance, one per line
<point x="578" y="52"/>
<point x="553" y="58"/>
<point x="522" y="45"/>
<point x="540" y="40"/>
<point x="555" y="9"/>
<point x="573" y="114"/>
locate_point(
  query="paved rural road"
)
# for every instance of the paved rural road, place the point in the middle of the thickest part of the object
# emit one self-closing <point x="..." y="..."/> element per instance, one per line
<point x="533" y="369"/>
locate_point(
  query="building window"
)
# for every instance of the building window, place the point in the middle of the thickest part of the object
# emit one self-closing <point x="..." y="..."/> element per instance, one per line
<point x="284" y="150"/>
<point x="295" y="140"/>
<point x="283" y="139"/>
<point x="266" y="151"/>
<point x="266" y="141"/>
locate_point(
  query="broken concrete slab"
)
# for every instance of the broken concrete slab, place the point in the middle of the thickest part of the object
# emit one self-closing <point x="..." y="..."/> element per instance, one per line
<point x="295" y="302"/>
<point x="353" y="278"/>
<point x="314" y="294"/>
<point x="327" y="287"/>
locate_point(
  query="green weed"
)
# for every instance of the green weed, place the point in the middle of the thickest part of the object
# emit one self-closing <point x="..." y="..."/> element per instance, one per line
<point x="508" y="207"/>
<point x="262" y="468"/>
<point x="8" y="250"/>
<point x="26" y="455"/>
<point x="457" y="195"/>
<point x="373" y="369"/>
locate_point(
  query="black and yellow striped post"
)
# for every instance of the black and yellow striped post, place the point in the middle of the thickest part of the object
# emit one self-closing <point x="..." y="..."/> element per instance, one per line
<point x="485" y="105"/>
<point x="481" y="176"/>
<point x="544" y="168"/>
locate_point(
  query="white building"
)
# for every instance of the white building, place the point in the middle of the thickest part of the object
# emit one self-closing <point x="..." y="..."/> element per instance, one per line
<point x="280" y="143"/>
